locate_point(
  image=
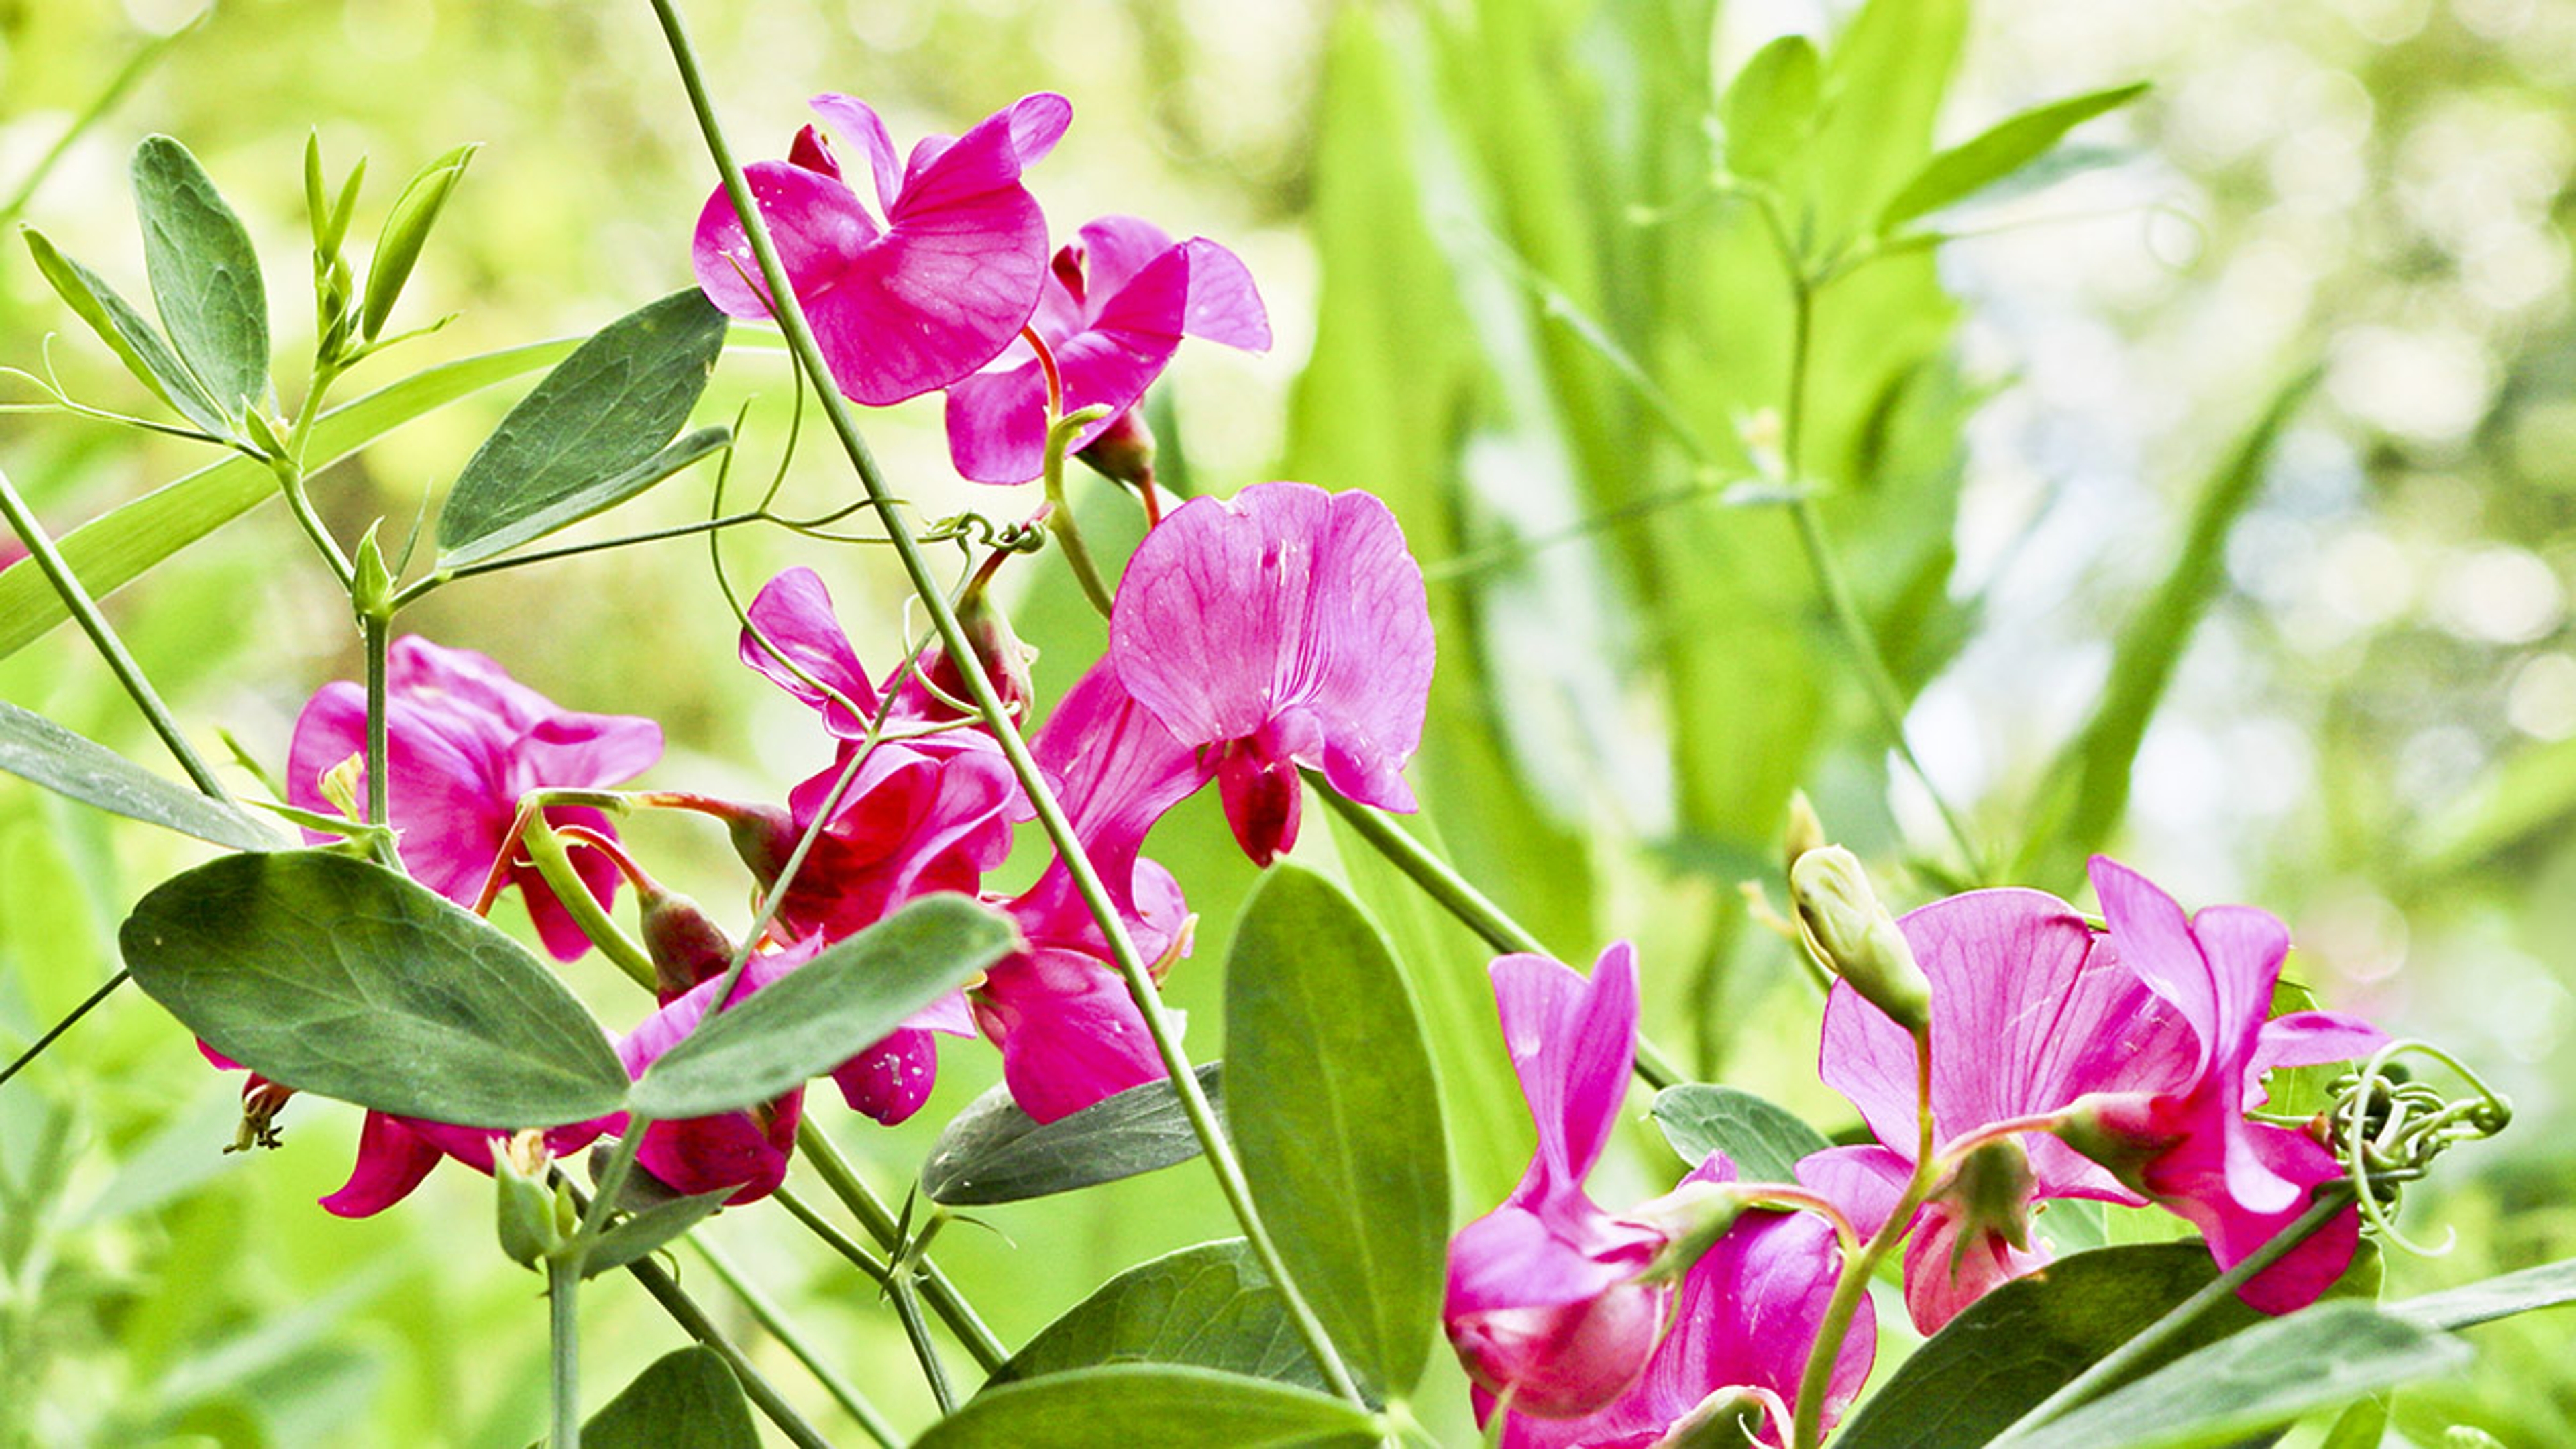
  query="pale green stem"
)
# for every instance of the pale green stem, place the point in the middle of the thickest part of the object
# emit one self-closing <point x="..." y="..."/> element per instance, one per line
<point x="1852" y="1288"/>
<point x="1218" y="1152"/>
<point x="852" y="1402"/>
<point x="547" y="849"/>
<point x="563" y="1292"/>
<point x="907" y="1307"/>
<point x="379" y="756"/>
<point x="839" y="1242"/>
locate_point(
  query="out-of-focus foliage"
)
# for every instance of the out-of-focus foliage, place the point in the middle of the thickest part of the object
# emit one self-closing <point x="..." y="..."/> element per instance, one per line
<point x="1510" y="303"/>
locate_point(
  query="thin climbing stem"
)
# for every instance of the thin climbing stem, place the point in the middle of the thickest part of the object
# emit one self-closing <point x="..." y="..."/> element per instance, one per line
<point x="843" y="1393"/>
<point x="563" y="1295"/>
<point x="916" y="1331"/>
<point x="1218" y="1152"/>
<point x="816" y="1148"/>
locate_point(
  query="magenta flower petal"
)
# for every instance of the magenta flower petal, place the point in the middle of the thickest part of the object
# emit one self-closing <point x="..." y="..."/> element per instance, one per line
<point x="2309" y="1039"/>
<point x="1288" y="624"/>
<point x="794" y="611"/>
<point x="1573" y="1044"/>
<point x="815" y="220"/>
<point x="1224" y="304"/>
<point x="392" y="1160"/>
<point x="1069" y="1031"/>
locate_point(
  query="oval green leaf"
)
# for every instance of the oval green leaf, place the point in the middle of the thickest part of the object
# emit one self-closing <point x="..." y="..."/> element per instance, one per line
<point x="136" y="342"/>
<point x="336" y="976"/>
<point x="1998" y="152"/>
<point x="1771" y="106"/>
<point x="1764" y="1141"/>
<point x="577" y="443"/>
<point x="114" y="549"/>
<point x="818" y="1015"/>
<point x="992" y="1152"/>
<point x="687" y="1399"/>
<point x="41" y="752"/>
<point x="647" y="1229"/>
<point x="406" y="231"/>
<point x="1122" y="1406"/>
<point x="205" y="276"/>
<point x="1206" y="1307"/>
<point x="1335" y="1109"/>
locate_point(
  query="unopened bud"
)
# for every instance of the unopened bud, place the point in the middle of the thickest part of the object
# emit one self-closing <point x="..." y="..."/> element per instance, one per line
<point x="686" y="946"/>
<point x="1721" y="1421"/>
<point x="1124" y="451"/>
<point x="530" y="1226"/>
<point x="763" y="837"/>
<point x="1805" y="832"/>
<point x="1692" y="1217"/>
<point x="1855" y="937"/>
<point x="1004" y="658"/>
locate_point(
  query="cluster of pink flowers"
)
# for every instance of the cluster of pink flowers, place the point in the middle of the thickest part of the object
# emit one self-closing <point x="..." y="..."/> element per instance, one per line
<point x="2117" y="1064"/>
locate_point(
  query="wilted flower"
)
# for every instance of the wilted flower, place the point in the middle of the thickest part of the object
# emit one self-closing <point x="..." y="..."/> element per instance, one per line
<point x="926" y="289"/>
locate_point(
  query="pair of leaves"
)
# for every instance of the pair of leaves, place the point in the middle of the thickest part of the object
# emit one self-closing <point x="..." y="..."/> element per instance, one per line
<point x="336" y="976"/>
<point x="212" y="367"/>
<point x="993" y="1152"/>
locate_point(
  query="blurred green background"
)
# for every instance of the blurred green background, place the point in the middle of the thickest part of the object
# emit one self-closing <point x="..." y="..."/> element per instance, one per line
<point x="2324" y="664"/>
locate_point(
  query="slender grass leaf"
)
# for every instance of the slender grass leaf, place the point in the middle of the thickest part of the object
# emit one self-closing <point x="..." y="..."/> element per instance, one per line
<point x="1122" y="1406"/>
<point x="406" y="231"/>
<point x="686" y="1399"/>
<point x="2550" y="1285"/>
<point x="135" y="341"/>
<point x="205" y="276"/>
<point x="2531" y="791"/>
<point x="1763" y="1140"/>
<point x="1770" y="107"/>
<point x="993" y="1152"/>
<point x="1207" y="1307"/>
<point x="1335" y="1108"/>
<point x="41" y="752"/>
<point x="112" y="550"/>
<point x="336" y="976"/>
<point x="597" y="417"/>
<point x="646" y="1230"/>
<point x="2266" y="1376"/>
<point x="597" y="496"/>
<point x="2088" y="784"/>
<point x="1998" y="152"/>
<point x="819" y="1015"/>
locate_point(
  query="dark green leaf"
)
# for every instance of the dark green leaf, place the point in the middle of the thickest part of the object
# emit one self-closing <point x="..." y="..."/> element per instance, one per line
<point x="685" y="1400"/>
<point x="595" y="497"/>
<point x="2266" y="1376"/>
<point x="2547" y="1286"/>
<point x="818" y="1015"/>
<point x="135" y="341"/>
<point x="994" y="1152"/>
<point x="205" y="277"/>
<point x="37" y="750"/>
<point x="1206" y="1307"/>
<point x="111" y="551"/>
<point x="1770" y="107"/>
<point x="1124" y="1406"/>
<point x="1764" y="1141"/>
<point x="2026" y="1340"/>
<point x="601" y="414"/>
<point x="1998" y="152"/>
<point x="407" y="231"/>
<point x="1333" y="1104"/>
<point x="647" y="1230"/>
<point x="336" y="976"/>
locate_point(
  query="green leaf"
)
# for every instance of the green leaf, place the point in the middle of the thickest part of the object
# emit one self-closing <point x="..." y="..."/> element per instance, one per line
<point x="816" y="1016"/>
<point x="2017" y="1345"/>
<point x="1123" y="1406"/>
<point x="594" y="497"/>
<point x="2088" y="784"/>
<point x="1998" y="152"/>
<point x="406" y="231"/>
<point x="2259" y="1379"/>
<point x="205" y="277"/>
<point x="1764" y="1141"/>
<point x="580" y="441"/>
<point x="1770" y="107"/>
<point x="993" y="1152"/>
<point x="1207" y="1307"/>
<point x="2363" y="1426"/>
<point x="1334" y="1107"/>
<point x="685" y="1400"/>
<point x="2547" y="1286"/>
<point x="336" y="976"/>
<point x="135" y="341"/>
<point x="646" y="1230"/>
<point x="112" y="550"/>
<point x="41" y="752"/>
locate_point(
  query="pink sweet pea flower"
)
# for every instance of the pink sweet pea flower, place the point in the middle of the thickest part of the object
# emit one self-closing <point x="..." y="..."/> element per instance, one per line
<point x="1119" y="302"/>
<point x="463" y="742"/>
<point x="1544" y="1303"/>
<point x="1747" y="1318"/>
<point x="1283" y="627"/>
<point x="925" y="290"/>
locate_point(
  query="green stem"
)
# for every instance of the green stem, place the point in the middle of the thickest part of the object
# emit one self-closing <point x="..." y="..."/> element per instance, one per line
<point x="1060" y="520"/>
<point x="1217" y="1150"/>
<point x="563" y="1292"/>
<point x="290" y="482"/>
<point x="379" y="760"/>
<point x="693" y="1320"/>
<point x="1852" y="1288"/>
<point x="417" y="588"/>
<point x="2129" y="1357"/>
<point x="1473" y="908"/>
<point x="78" y="603"/>
<point x="547" y="849"/>
<point x="58" y="1028"/>
<point x="869" y="1264"/>
<point x="762" y="1308"/>
<point x="907" y="1307"/>
<point x="872" y="1213"/>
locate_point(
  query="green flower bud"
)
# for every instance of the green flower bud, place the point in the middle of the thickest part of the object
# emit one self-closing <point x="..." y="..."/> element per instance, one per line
<point x="530" y="1222"/>
<point x="1854" y="936"/>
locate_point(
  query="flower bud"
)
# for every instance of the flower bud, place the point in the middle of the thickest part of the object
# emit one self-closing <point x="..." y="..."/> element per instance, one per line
<point x="687" y="948"/>
<point x="1855" y="937"/>
<point x="1805" y="832"/>
<point x="531" y="1230"/>
<point x="1004" y="658"/>
<point x="763" y="837"/>
<point x="1124" y="451"/>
